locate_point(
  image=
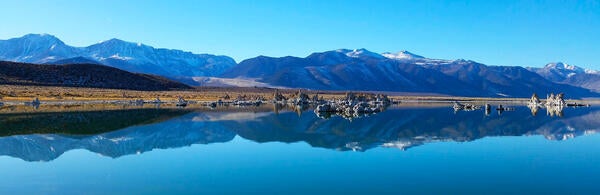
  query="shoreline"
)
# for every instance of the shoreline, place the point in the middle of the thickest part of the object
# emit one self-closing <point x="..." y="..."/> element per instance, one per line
<point x="12" y="95"/>
<point x="25" y="93"/>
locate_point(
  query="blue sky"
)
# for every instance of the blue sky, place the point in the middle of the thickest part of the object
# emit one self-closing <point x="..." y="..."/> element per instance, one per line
<point x="525" y="33"/>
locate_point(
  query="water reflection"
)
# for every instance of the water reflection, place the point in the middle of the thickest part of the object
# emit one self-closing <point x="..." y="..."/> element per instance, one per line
<point x="81" y="123"/>
<point x="44" y="137"/>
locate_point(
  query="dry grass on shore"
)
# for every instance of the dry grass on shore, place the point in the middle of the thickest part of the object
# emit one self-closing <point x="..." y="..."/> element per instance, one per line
<point x="49" y="93"/>
<point x="62" y="99"/>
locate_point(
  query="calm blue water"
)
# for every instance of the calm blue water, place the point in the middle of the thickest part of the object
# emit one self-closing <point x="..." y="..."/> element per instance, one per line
<point x="402" y="150"/>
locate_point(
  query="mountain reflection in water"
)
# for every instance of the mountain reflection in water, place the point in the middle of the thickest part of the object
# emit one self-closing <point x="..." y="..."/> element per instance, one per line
<point x="44" y="137"/>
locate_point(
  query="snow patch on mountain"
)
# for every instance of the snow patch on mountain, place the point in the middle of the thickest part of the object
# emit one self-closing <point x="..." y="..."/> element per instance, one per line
<point x="559" y="70"/>
<point x="589" y="71"/>
<point x="116" y="56"/>
<point x="402" y="55"/>
<point x="129" y="56"/>
<point x="568" y="69"/>
<point x="360" y="53"/>
<point x="564" y="66"/>
<point x="406" y="56"/>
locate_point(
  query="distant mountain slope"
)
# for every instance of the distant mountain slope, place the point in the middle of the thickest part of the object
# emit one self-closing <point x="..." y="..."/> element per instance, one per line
<point x="166" y="62"/>
<point x="572" y="75"/>
<point x="36" y="48"/>
<point x="364" y="70"/>
<point x="505" y="80"/>
<point x="133" y="57"/>
<point x="334" y="70"/>
<point x="82" y="75"/>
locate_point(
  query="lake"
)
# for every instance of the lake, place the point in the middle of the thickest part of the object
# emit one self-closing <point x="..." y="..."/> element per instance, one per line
<point x="421" y="149"/>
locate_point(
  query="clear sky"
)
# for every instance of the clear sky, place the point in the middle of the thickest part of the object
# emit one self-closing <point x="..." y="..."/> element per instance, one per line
<point x="525" y="32"/>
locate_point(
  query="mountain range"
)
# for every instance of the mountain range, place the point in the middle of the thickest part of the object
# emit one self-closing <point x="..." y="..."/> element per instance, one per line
<point x="133" y="57"/>
<point x="570" y="75"/>
<point x="342" y="69"/>
<point x="364" y="70"/>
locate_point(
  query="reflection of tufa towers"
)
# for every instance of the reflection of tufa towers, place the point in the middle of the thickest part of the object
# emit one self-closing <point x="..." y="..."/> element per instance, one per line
<point x="534" y="109"/>
<point x="554" y="111"/>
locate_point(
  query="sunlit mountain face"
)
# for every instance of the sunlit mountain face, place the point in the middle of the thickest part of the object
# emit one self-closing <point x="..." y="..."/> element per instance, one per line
<point x="569" y="74"/>
<point x="341" y="69"/>
<point x="128" y="56"/>
<point x="45" y="137"/>
<point x="360" y="69"/>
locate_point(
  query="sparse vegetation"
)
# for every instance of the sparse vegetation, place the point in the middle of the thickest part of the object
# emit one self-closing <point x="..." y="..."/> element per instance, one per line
<point x="50" y="93"/>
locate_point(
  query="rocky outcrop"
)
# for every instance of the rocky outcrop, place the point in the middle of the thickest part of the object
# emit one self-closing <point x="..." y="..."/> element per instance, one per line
<point x="301" y="98"/>
<point x="278" y="97"/>
<point x="353" y="105"/>
<point x="556" y="100"/>
<point x="534" y="100"/>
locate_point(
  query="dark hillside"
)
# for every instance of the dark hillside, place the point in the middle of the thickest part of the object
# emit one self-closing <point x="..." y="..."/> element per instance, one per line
<point x="82" y="75"/>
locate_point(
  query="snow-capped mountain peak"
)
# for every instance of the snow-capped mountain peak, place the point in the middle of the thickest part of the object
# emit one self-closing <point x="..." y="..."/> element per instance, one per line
<point x="119" y="44"/>
<point x="406" y="56"/>
<point x="564" y="66"/>
<point x="360" y="53"/>
<point x="38" y="41"/>
<point x="36" y="48"/>
<point x="566" y="69"/>
<point x="113" y="41"/>
<point x="129" y="56"/>
<point x="589" y="71"/>
<point x="402" y="55"/>
<point x="569" y="74"/>
<point x="45" y="38"/>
